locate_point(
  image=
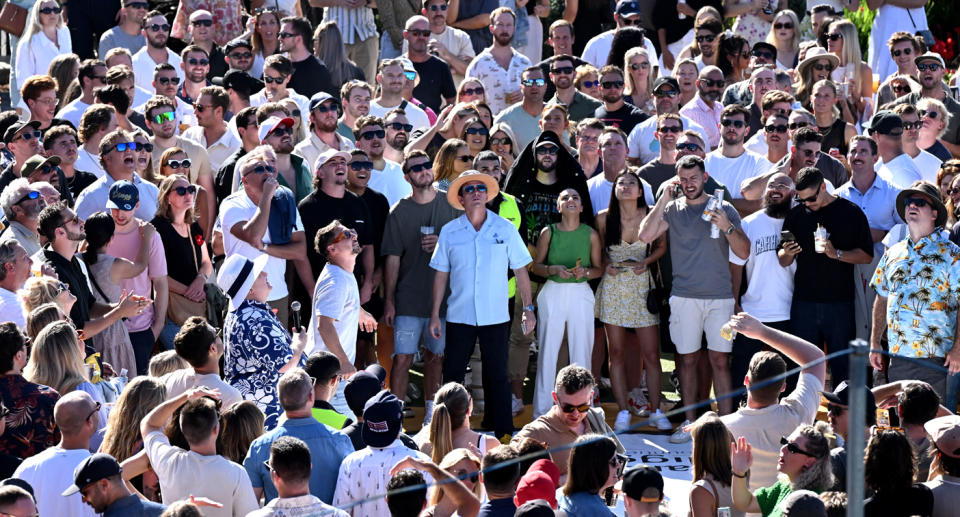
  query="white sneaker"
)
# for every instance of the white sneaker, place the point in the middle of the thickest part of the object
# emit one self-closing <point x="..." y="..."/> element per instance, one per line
<point x="661" y="421"/>
<point x="681" y="436"/>
<point x="623" y="421"/>
<point x="517" y="405"/>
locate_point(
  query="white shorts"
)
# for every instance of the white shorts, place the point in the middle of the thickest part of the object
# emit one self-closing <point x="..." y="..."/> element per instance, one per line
<point x="691" y="317"/>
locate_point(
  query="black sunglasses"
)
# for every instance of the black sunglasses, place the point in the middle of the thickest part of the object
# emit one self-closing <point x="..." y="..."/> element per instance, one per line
<point x="793" y="126"/>
<point x="810" y="199"/>
<point x="933" y="67"/>
<point x="779" y="128"/>
<point x="688" y="146"/>
<point x="552" y="150"/>
<point x="928" y="113"/>
<point x="905" y="52"/>
<point x="735" y="123"/>
<point x="833" y="37"/>
<point x="370" y="135"/>
<point x="794" y="448"/>
<point x="784" y="25"/>
<point x="713" y="83"/>
<point x="919" y="202"/>
<point x="708" y="38"/>
<point x="820" y="67"/>
<point x="473" y="91"/>
<point x="666" y="93"/>
<point x="156" y="27"/>
<point x="202" y="23"/>
<point x="570" y="408"/>
<point x="418" y="32"/>
<point x="565" y="70"/>
<point x="240" y="55"/>
<point x="361" y="166"/>
<point x="477" y="131"/>
<point x="463" y="475"/>
<point x="202" y="61"/>
<point x="168" y="80"/>
<point x="426" y="166"/>
<point x="763" y="54"/>
<point x="183" y="191"/>
<point x="669" y="129"/>
<point x="398" y="126"/>
<point x="260" y="169"/>
<point x="282" y="130"/>
<point x="907" y="126"/>
<point x="50" y="10"/>
<point x="609" y="85"/>
<point x="269" y="80"/>
<point x="96" y="408"/>
<point x="325" y="108"/>
<point x="33" y="194"/>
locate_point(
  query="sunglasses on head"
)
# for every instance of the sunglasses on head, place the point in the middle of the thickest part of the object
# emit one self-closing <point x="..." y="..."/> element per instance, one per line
<point x="202" y="23"/>
<point x="399" y="126"/>
<point x="183" y="191"/>
<point x="370" y="135"/>
<point x="783" y="25"/>
<point x="708" y="38"/>
<point x="164" y="81"/>
<point x="361" y="166"/>
<point x="713" y="83"/>
<point x="261" y="169"/>
<point x="477" y="131"/>
<point x="933" y="67"/>
<point x="50" y="10"/>
<point x="156" y="27"/>
<point x="609" y="85"/>
<point x="552" y="150"/>
<point x="175" y="164"/>
<point x="473" y="91"/>
<point x="29" y="196"/>
<point x="562" y="70"/>
<point x="688" y="146"/>
<point x="470" y="189"/>
<point x="794" y="448"/>
<point x="534" y="82"/>
<point x="270" y="80"/>
<point x="202" y="61"/>
<point x="735" y="123"/>
<point x="833" y="37"/>
<point x="906" y="52"/>
<point x="420" y="167"/>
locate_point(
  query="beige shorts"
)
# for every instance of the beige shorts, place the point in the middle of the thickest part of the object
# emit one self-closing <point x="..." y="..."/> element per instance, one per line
<point x="691" y="317"/>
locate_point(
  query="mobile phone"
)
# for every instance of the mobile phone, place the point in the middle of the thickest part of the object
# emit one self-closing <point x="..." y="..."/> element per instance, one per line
<point x="677" y="191"/>
<point x="787" y="236"/>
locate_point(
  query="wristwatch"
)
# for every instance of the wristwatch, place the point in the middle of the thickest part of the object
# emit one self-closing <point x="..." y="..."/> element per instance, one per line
<point x="730" y="230"/>
<point x="530" y="308"/>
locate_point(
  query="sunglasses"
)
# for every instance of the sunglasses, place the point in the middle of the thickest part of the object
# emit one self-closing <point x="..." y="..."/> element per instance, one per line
<point x="952" y="191"/>
<point x="411" y="76"/>
<point x="630" y="22"/>
<point x="261" y="169"/>
<point x="833" y="37"/>
<point x="900" y="87"/>
<point x="590" y="84"/>
<point x="282" y="131"/>
<point x="285" y="35"/>
<point x="933" y="67"/>
<point x="473" y="91"/>
<point x="200" y="108"/>
<point x="465" y="158"/>
<point x="570" y="408"/>
<point x="638" y="66"/>
<point x="820" y="67"/>
<point x="779" y="128"/>
<point x="500" y="141"/>
<point x="907" y="126"/>
<point x="96" y="408"/>
<point x="33" y="194"/>
<point x="688" y="147"/>
<point x="4" y="411"/>
<point x="361" y="166"/>
<point x="608" y="85"/>
<point x="463" y="475"/>
<point x="370" y="135"/>
<point x="932" y="114"/>
<point x="905" y="52"/>
<point x="672" y="94"/>
<point x="763" y="54"/>
<point x="156" y="27"/>
<point x="669" y="129"/>
<point x="202" y="61"/>
<point x="167" y="116"/>
<point x="735" y="123"/>
<point x="47" y="169"/>
<point x="441" y="7"/>
<point x="713" y="83"/>
<point x="270" y="80"/>
<point x="477" y="131"/>
<point x="50" y="10"/>
<point x="552" y="150"/>
<point x="183" y="191"/>
<point x="420" y="167"/>
<point x="418" y="32"/>
<point x="184" y="163"/>
<point x="27" y="135"/>
<point x="202" y="23"/>
<point x="470" y="189"/>
<point x="784" y="25"/>
<point x="919" y="202"/>
<point x="564" y="70"/>
<point x="326" y="108"/>
<point x="399" y="126"/>
<point x="345" y="234"/>
<point x="708" y="38"/>
<point x="144" y="147"/>
<point x="810" y="199"/>
<point x="164" y="81"/>
<point x="794" y="448"/>
<point x="240" y="55"/>
<point x="125" y="146"/>
<point x="62" y="287"/>
<point x="796" y="125"/>
<point x="534" y="82"/>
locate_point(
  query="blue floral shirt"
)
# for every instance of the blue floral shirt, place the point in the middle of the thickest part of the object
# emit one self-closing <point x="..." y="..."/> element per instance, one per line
<point x="257" y="346"/>
<point x="921" y="282"/>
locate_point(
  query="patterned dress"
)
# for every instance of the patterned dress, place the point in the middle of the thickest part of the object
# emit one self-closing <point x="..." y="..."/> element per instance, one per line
<point x="751" y="26"/>
<point x="622" y="299"/>
<point x="227" y="23"/>
<point x="257" y="346"/>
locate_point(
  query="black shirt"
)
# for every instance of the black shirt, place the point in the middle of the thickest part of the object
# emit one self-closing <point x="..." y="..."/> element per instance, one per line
<point x="545" y="66"/>
<point x="80" y="181"/>
<point x="223" y="183"/>
<point x="436" y="83"/>
<point x="311" y="76"/>
<point x="819" y="278"/>
<point x="379" y="208"/>
<point x="177" y="249"/>
<point x="665" y="17"/>
<point x="625" y="118"/>
<point x="318" y="210"/>
<point x="918" y="500"/>
<point x="218" y="63"/>
<point x="69" y="272"/>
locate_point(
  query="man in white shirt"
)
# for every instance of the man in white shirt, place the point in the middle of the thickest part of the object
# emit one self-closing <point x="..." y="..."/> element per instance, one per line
<point x="926" y="163"/>
<point x="14" y="270"/>
<point x="51" y="471"/>
<point x="119" y="158"/>
<point x="157" y="31"/>
<point x="165" y="84"/>
<point x="197" y="343"/>
<point x="626" y="14"/>
<point x="644" y="147"/>
<point x="199" y="471"/>
<point x="92" y="74"/>
<point x="501" y="82"/>
<point x="211" y="131"/>
<point x="97" y="121"/>
<point x="895" y="166"/>
<point x="765" y="419"/>
<point x="386" y="176"/>
<point x="613" y="152"/>
<point x="769" y="285"/>
<point x="731" y="164"/>
<point x="390" y="77"/>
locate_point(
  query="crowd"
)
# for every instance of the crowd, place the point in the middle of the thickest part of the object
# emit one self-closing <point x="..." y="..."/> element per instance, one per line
<point x="229" y="235"/>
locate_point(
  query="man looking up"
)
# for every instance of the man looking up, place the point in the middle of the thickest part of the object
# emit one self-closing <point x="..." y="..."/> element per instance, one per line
<point x="560" y="36"/>
<point x="390" y="77"/>
<point x="118" y="156"/>
<point x="524" y="117"/>
<point x="238" y="55"/>
<point x="499" y="67"/>
<point x="398" y="131"/>
<point x="705" y="108"/>
<point x="61" y="141"/>
<point x="156" y="30"/>
<point x="436" y="86"/>
<point x="386" y="177"/>
<point x="166" y="84"/>
<point x="927" y="163"/>
<point x="310" y="75"/>
<point x="931" y="69"/>
<point x="92" y="74"/>
<point x="128" y="33"/>
<point x="613" y="150"/>
<point x="731" y="163"/>
<point x="201" y="35"/>
<point x="615" y="111"/>
<point x="355" y="98"/>
<point x="14" y="270"/>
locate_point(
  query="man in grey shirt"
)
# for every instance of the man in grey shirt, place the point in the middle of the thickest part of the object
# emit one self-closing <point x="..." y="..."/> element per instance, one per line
<point x="128" y="33"/>
<point x="702" y="289"/>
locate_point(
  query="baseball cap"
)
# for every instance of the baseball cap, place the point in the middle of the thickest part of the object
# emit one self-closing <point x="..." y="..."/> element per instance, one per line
<point x="378" y="371"/>
<point x="123" y="196"/>
<point x="238" y="80"/>
<point x="666" y="80"/>
<point x="945" y="433"/>
<point x="627" y="8"/>
<point x="803" y="503"/>
<point x="382" y="416"/>
<point x="273" y="123"/>
<point x="549" y="468"/>
<point x="643" y="483"/>
<point x="235" y="44"/>
<point x="535" y="508"/>
<point x="328" y="155"/>
<point x="359" y="389"/>
<point x="536" y="485"/>
<point x="321" y="97"/>
<point x="926" y="56"/>
<point x="885" y="122"/>
<point x="16" y="127"/>
<point x="840" y="396"/>
<point x="35" y="162"/>
<point x="93" y="468"/>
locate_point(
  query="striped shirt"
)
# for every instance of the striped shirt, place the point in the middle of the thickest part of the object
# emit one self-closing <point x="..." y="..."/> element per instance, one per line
<point x="356" y="23"/>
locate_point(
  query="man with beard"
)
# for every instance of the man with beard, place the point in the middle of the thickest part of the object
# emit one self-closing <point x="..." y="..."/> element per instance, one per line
<point x="886" y="129"/>
<point x="524" y="116"/>
<point x="128" y="33"/>
<point x="666" y="95"/>
<point x="823" y="295"/>
<point x="21" y="204"/>
<point x="499" y="67"/>
<point x="195" y="65"/>
<point x="238" y="55"/>
<point x="878" y="200"/>
<point x="562" y="71"/>
<point x="804" y="152"/>
<point x="436" y="86"/>
<point x="731" y="163"/>
<point x="23" y="139"/>
<point x="211" y="132"/>
<point x="277" y="73"/>
<point x="355" y="98"/>
<point x="398" y="134"/>
<point x="120" y="163"/>
<point x="292" y="171"/>
<point x="705" y="109"/>
<point x="702" y="287"/>
<point x="386" y="177"/>
<point x="615" y="111"/>
<point x="156" y="30"/>
<point x="201" y="35"/>
<point x="613" y="152"/>
<point x="323" y="130"/>
<point x="769" y="291"/>
<point x="165" y="84"/>
<point x="762" y="80"/>
<point x="162" y="121"/>
<point x="310" y="76"/>
<point x="391" y="79"/>
<point x="560" y="37"/>
<point x="625" y="14"/>
<point x="447" y="43"/>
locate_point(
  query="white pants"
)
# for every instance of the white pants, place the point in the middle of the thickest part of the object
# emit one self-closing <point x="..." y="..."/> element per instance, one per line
<point x="561" y="306"/>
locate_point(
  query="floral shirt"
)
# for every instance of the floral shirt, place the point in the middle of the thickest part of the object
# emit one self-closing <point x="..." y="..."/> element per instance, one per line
<point x="227" y="23"/>
<point x="257" y="346"/>
<point x="496" y="80"/>
<point x="921" y="282"/>
<point x="30" y="426"/>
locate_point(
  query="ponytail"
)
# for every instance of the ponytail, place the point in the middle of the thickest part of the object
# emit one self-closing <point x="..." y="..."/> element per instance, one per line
<point x="441" y="433"/>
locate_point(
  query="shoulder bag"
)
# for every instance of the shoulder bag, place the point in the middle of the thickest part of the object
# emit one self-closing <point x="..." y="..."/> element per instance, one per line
<point x="179" y="307"/>
<point x="13" y="19"/>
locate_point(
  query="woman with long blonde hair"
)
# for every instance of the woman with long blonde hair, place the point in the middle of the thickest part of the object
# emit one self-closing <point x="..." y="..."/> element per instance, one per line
<point x="785" y="36"/>
<point x="450" y="424"/>
<point x="38" y="290"/>
<point x="465" y="466"/>
<point x="842" y="40"/>
<point x="452" y="159"/>
<point x="639" y="82"/>
<point x="122" y="438"/>
<point x="44" y="38"/>
<point x="711" y="467"/>
<point x="42" y="316"/>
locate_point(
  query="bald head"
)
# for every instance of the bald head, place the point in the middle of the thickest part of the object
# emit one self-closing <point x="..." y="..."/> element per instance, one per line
<point x="780" y="180"/>
<point x="73" y="411"/>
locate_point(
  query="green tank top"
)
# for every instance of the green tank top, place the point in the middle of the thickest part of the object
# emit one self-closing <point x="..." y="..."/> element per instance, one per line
<point x="566" y="248"/>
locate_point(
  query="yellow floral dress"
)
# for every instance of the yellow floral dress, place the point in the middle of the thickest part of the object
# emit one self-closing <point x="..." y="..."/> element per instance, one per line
<point x="622" y="299"/>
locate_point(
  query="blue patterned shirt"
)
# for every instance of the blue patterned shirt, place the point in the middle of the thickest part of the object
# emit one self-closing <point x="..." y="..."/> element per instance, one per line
<point x="921" y="282"/>
<point x="257" y="346"/>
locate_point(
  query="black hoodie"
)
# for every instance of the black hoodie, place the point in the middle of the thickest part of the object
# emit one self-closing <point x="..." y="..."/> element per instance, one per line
<point x="539" y="200"/>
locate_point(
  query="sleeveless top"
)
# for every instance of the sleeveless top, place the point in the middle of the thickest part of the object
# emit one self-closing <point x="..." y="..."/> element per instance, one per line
<point x="568" y="247"/>
<point x="834" y="137"/>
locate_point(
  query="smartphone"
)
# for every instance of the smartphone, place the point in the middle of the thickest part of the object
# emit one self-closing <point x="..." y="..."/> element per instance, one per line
<point x="787" y="236"/>
<point x="677" y="191"/>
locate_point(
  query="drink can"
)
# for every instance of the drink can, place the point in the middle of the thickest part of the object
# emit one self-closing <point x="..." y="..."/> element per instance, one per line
<point x="426" y="230"/>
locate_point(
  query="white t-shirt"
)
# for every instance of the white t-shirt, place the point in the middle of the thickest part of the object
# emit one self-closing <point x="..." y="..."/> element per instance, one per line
<point x="642" y="144"/>
<point x="769" y="285"/>
<point x="764" y="427"/>
<point x="180" y="381"/>
<point x="88" y="162"/>
<point x="50" y="473"/>
<point x="390" y="182"/>
<point x="336" y="296"/>
<point x="597" y="49"/>
<point x="11" y="309"/>
<point x="900" y="172"/>
<point x="732" y="172"/>
<point x="185" y="473"/>
<point x="928" y="165"/>
<point x="73" y="112"/>
<point x="416" y="116"/>
<point x="236" y="208"/>
<point x="600" y="189"/>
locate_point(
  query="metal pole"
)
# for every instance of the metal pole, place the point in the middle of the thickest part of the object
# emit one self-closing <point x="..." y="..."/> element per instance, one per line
<point x="856" y="442"/>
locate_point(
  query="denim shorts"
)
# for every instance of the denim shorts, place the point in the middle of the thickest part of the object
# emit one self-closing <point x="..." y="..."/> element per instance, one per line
<point x="407" y="331"/>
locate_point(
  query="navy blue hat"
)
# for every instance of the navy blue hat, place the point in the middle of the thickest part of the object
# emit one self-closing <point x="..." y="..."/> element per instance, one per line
<point x="886" y="122"/>
<point x="123" y="196"/>
<point x="627" y="8"/>
<point x="321" y="97"/>
<point x="361" y="388"/>
<point x="382" y="417"/>
<point x="92" y="469"/>
<point x="235" y="44"/>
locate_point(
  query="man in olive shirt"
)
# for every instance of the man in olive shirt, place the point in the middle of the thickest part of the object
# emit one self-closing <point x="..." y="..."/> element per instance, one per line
<point x="579" y="106"/>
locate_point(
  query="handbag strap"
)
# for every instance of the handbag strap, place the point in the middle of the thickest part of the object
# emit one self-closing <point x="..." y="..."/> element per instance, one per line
<point x="911" y="19"/>
<point x="716" y="495"/>
<point x="93" y="278"/>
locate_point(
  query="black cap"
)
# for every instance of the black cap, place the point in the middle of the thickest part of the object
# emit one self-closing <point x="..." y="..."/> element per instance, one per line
<point x="840" y="396"/>
<point x="666" y="80"/>
<point x="535" y="508"/>
<point x="359" y="389"/>
<point x="237" y="43"/>
<point x="765" y="46"/>
<point x="643" y="483"/>
<point x="382" y="417"/>
<point x="16" y="127"/>
<point x="886" y="122"/>
<point x="240" y="81"/>
<point x="94" y="468"/>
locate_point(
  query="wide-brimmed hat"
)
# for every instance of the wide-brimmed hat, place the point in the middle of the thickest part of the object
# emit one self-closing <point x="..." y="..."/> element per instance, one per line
<point x="237" y="275"/>
<point x="928" y="190"/>
<point x="453" y="192"/>
<point x="815" y="54"/>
